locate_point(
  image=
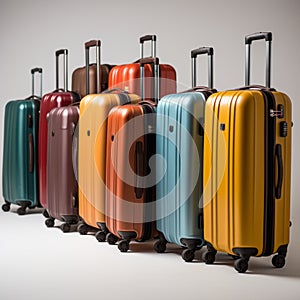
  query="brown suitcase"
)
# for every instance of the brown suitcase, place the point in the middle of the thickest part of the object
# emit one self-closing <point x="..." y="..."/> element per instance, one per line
<point x="130" y="194"/>
<point x="62" y="189"/>
<point x="79" y="75"/>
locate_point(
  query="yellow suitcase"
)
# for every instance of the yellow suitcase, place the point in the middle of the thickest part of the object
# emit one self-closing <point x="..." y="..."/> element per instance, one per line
<point x="247" y="170"/>
<point x="94" y="109"/>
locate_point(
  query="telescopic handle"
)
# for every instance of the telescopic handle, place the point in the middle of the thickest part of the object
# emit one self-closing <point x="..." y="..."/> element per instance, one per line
<point x="267" y="36"/>
<point x="58" y="53"/>
<point x="200" y="51"/>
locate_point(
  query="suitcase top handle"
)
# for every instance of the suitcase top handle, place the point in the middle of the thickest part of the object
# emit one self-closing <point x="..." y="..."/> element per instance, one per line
<point x="199" y="51"/>
<point x="58" y="53"/>
<point x="267" y="36"/>
<point x="88" y="45"/>
<point x="148" y="37"/>
<point x="155" y="77"/>
<point x="33" y="72"/>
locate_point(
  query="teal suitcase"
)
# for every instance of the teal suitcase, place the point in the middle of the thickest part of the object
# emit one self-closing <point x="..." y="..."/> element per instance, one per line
<point x="179" y="147"/>
<point x="20" y="171"/>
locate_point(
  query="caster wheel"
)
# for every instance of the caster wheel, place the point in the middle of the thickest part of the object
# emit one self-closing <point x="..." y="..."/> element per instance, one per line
<point x="278" y="261"/>
<point x="101" y="236"/>
<point x="45" y="214"/>
<point x="82" y="229"/>
<point x="65" y="227"/>
<point x="241" y="265"/>
<point x="209" y="257"/>
<point x="21" y="211"/>
<point x="123" y="246"/>
<point x="234" y="256"/>
<point x="188" y="255"/>
<point x="49" y="223"/>
<point x="6" y="207"/>
<point x="111" y="239"/>
<point x="160" y="246"/>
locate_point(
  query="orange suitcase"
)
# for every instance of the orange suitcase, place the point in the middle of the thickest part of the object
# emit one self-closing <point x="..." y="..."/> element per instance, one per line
<point x="130" y="178"/>
<point x="127" y="77"/>
<point x="94" y="109"/>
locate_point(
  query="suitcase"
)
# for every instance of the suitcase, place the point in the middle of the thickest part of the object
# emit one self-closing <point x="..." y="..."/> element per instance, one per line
<point x="247" y="170"/>
<point x="94" y="109"/>
<point x="20" y="171"/>
<point x="101" y="76"/>
<point x="62" y="191"/>
<point x="127" y="77"/>
<point x="179" y="141"/>
<point x="130" y="194"/>
<point x="58" y="98"/>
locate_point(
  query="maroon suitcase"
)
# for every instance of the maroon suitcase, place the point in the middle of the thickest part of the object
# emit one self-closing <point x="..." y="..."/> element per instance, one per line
<point x="58" y="98"/>
<point x="97" y="77"/>
<point x="62" y="190"/>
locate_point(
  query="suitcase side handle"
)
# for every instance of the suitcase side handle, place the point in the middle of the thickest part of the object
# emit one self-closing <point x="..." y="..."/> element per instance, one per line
<point x="155" y="76"/>
<point x="31" y="160"/>
<point x="267" y="36"/>
<point x="88" y="45"/>
<point x="64" y="53"/>
<point x="148" y="37"/>
<point x="278" y="188"/>
<point x="200" y="51"/>
<point x="33" y="72"/>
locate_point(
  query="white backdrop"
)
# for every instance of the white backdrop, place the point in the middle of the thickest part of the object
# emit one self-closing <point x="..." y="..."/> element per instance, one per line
<point x="31" y="30"/>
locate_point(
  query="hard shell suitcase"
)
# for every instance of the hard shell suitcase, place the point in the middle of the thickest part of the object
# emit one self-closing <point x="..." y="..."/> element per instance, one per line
<point x="62" y="191"/>
<point x="179" y="140"/>
<point x="130" y="197"/>
<point x="247" y="170"/>
<point x="79" y="78"/>
<point x="127" y="77"/>
<point x="20" y="169"/>
<point x="94" y="109"/>
<point x="58" y="98"/>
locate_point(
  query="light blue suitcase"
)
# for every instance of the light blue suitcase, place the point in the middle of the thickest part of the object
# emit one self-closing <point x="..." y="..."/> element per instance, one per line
<point x="179" y="164"/>
<point x="20" y="170"/>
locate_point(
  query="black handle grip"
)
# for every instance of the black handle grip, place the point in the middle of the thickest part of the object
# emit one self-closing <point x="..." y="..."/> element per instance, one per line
<point x="202" y="50"/>
<point x="148" y="37"/>
<point x="36" y="70"/>
<point x="61" y="52"/>
<point x="258" y="36"/>
<point x="139" y="167"/>
<point x="278" y="153"/>
<point x="92" y="43"/>
<point x="149" y="60"/>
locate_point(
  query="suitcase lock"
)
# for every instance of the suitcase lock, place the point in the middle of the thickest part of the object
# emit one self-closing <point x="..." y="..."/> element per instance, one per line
<point x="279" y="113"/>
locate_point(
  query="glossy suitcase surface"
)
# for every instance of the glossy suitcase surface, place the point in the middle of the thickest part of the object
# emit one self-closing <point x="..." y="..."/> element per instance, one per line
<point x="130" y="195"/>
<point x="62" y="190"/>
<point x="247" y="167"/>
<point x="52" y="100"/>
<point x="127" y="76"/>
<point x="179" y="140"/>
<point x="101" y="78"/>
<point x="79" y="82"/>
<point x="20" y="168"/>
<point x="94" y="110"/>
<point x="127" y="216"/>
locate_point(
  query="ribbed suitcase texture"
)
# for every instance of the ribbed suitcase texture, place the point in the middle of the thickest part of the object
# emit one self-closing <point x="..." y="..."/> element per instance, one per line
<point x="179" y="142"/>
<point x="62" y="188"/>
<point x="247" y="170"/>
